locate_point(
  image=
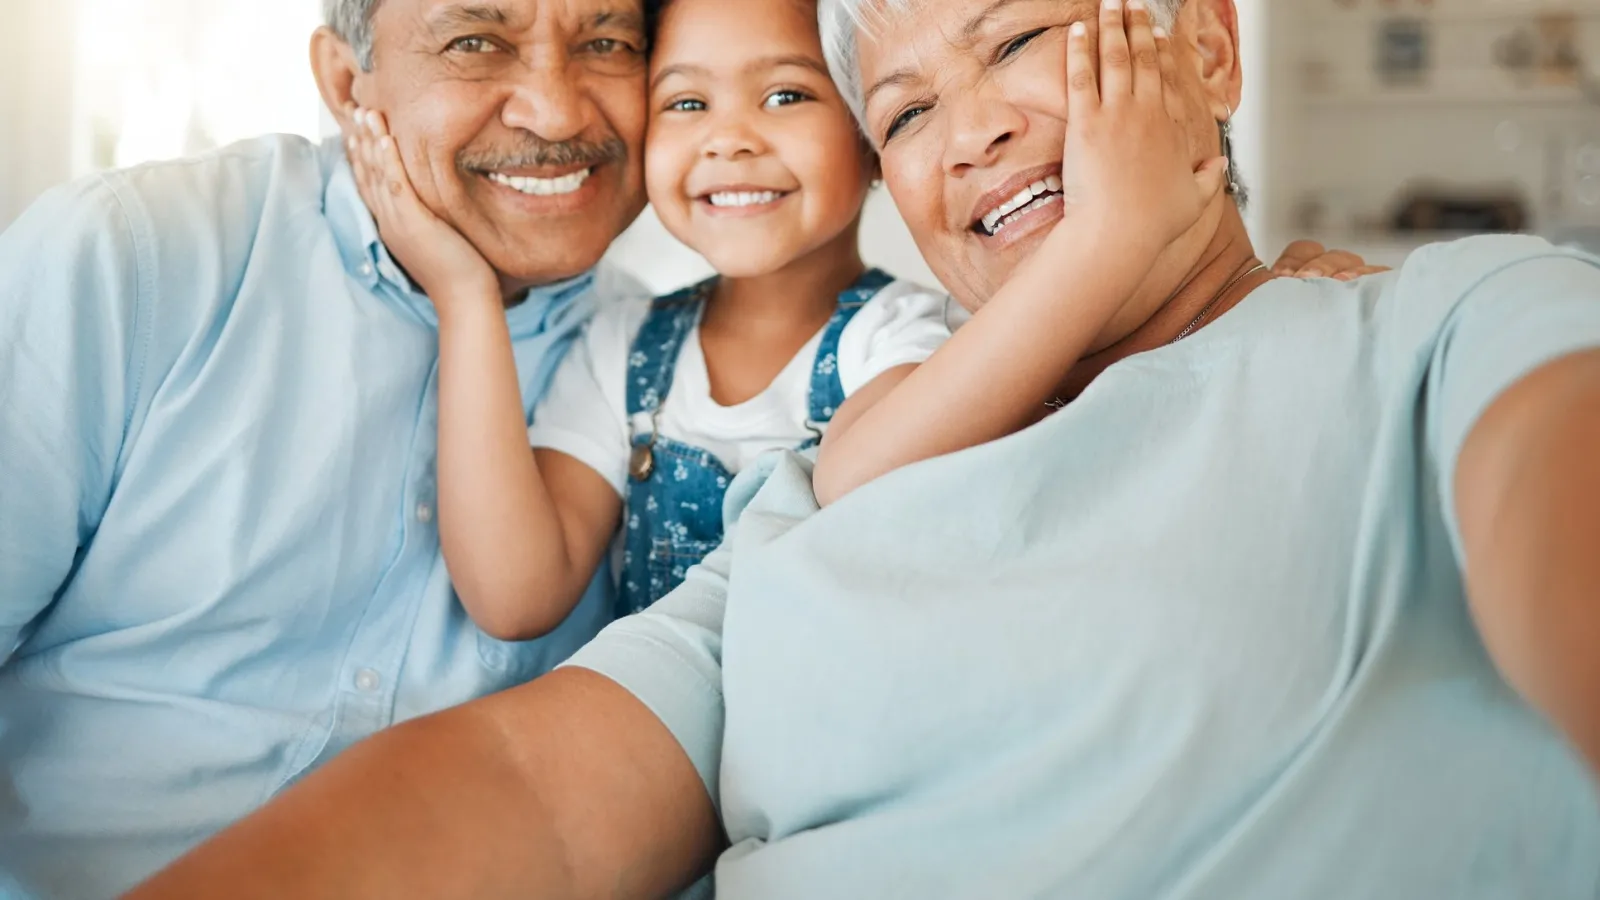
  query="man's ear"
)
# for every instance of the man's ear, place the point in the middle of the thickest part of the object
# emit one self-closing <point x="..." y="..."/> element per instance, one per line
<point x="1215" y="29"/>
<point x="338" y="73"/>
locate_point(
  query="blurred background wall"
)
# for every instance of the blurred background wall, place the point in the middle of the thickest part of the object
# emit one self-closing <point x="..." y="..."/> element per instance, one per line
<point x="1375" y="125"/>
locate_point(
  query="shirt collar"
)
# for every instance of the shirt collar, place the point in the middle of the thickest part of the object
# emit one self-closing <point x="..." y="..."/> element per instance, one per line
<point x="368" y="262"/>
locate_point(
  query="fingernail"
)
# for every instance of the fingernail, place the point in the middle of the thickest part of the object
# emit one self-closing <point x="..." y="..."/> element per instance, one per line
<point x="1078" y="29"/>
<point x="1159" y="32"/>
<point x="384" y="142"/>
<point x="1136" y="5"/>
<point x="1113" y="4"/>
<point x="1313" y="273"/>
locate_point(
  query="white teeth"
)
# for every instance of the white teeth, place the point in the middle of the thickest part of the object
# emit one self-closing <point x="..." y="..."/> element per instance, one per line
<point x="1002" y="220"/>
<point x="543" y="187"/>
<point x="1025" y="200"/>
<point x="744" y="198"/>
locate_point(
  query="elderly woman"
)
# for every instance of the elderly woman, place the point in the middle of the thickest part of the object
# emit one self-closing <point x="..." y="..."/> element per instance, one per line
<point x="1296" y="597"/>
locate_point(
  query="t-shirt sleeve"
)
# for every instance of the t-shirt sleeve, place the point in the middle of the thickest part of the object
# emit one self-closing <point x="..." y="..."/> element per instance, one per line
<point x="670" y="655"/>
<point x="584" y="414"/>
<point x="902" y="325"/>
<point x="1517" y="319"/>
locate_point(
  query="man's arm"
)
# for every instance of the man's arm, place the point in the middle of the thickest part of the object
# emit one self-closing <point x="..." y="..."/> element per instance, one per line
<point x="72" y="312"/>
<point x="1527" y="488"/>
<point x="566" y="787"/>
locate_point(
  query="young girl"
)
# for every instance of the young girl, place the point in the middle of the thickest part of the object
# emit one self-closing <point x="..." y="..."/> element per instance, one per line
<point x="754" y="161"/>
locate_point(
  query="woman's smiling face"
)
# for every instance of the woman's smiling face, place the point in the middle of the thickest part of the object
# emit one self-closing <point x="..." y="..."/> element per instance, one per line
<point x="966" y="101"/>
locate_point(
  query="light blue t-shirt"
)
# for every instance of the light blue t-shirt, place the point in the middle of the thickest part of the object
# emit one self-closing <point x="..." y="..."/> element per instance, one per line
<point x="1201" y="635"/>
<point x="219" y="558"/>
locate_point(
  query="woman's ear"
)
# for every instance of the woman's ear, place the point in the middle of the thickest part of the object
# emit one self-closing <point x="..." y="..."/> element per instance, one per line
<point x="1215" y="30"/>
<point x="871" y="165"/>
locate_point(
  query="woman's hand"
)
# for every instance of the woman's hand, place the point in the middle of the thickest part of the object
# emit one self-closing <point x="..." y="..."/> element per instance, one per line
<point x="443" y="263"/>
<point x="1128" y="169"/>
<point x="1309" y="259"/>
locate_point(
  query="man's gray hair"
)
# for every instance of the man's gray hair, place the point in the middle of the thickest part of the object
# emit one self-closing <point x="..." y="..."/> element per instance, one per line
<point x="842" y="20"/>
<point x="351" y="20"/>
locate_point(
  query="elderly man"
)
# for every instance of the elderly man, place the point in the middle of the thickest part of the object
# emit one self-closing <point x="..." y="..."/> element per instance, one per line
<point x="219" y="555"/>
<point x="1298" y="599"/>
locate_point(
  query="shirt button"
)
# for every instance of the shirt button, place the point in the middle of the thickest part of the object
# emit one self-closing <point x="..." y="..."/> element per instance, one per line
<point x="424" y="513"/>
<point x="367" y="681"/>
<point x="365" y="270"/>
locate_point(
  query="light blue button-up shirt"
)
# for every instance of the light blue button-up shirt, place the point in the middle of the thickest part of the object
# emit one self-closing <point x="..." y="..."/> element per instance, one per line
<point x="219" y="557"/>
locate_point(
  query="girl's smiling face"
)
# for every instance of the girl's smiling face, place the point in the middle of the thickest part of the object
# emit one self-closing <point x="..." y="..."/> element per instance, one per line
<point x="752" y="158"/>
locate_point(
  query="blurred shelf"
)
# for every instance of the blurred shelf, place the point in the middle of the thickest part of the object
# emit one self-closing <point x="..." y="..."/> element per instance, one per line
<point x="1447" y="12"/>
<point x="1506" y="95"/>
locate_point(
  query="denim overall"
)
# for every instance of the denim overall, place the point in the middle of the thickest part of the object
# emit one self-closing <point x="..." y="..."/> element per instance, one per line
<point x="675" y="490"/>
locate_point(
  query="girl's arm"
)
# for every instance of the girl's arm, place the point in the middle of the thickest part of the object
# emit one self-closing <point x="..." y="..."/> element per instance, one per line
<point x="1301" y="259"/>
<point x="1130" y="190"/>
<point x="522" y="533"/>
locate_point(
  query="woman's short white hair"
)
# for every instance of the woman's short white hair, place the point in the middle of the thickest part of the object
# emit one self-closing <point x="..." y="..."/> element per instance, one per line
<point x="842" y="20"/>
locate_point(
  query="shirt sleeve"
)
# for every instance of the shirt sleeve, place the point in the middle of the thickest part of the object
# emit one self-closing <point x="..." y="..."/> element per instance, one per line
<point x="903" y="325"/>
<point x="670" y="655"/>
<point x="584" y="414"/>
<point x="1516" y="320"/>
<point x="73" y="317"/>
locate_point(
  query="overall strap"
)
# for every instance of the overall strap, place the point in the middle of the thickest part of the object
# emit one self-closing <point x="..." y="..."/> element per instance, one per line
<point x="827" y="391"/>
<point x="653" y="359"/>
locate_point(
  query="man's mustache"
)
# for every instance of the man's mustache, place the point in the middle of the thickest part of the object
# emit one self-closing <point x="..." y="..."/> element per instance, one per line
<point x="534" y="152"/>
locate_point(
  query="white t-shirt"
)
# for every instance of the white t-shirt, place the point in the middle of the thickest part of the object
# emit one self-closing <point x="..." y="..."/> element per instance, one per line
<point x="584" y="415"/>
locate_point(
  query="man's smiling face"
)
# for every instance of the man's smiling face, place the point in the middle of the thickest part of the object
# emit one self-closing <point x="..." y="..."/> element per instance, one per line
<point x="520" y="122"/>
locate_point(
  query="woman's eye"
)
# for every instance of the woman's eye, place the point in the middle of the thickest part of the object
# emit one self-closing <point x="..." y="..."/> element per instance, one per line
<point x="472" y="45"/>
<point x="1011" y="49"/>
<point x="784" y="98"/>
<point x="902" y="120"/>
<point x="687" y="106"/>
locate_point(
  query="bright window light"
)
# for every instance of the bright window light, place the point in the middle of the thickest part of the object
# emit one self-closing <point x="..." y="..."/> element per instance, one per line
<point x="159" y="79"/>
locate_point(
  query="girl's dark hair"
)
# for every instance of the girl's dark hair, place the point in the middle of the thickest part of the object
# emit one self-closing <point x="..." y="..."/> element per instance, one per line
<point x="652" y="18"/>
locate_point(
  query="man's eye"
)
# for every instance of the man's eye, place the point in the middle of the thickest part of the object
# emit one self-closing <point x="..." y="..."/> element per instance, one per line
<point x="608" y="46"/>
<point x="902" y="120"/>
<point x="784" y="98"/>
<point x="472" y="45"/>
<point x="686" y="105"/>
<point x="1012" y="48"/>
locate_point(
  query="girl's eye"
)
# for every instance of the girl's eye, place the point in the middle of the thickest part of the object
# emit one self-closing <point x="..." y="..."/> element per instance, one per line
<point x="687" y="105"/>
<point x="1011" y="49"/>
<point x="784" y="98"/>
<point x="472" y="45"/>
<point x="902" y="120"/>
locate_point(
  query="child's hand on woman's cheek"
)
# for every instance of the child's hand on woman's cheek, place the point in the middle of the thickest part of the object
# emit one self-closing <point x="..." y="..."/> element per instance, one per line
<point x="443" y="263"/>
